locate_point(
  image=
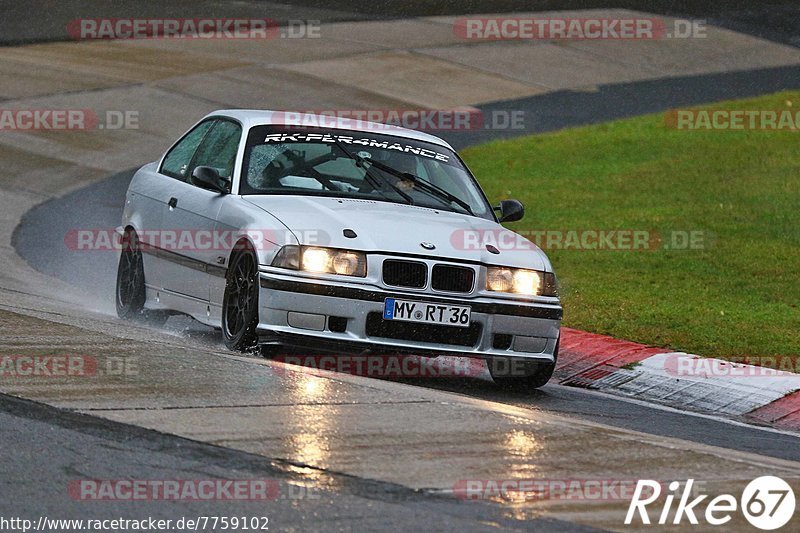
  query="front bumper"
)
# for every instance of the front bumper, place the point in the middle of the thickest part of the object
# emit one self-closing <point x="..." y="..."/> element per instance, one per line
<point x="310" y="313"/>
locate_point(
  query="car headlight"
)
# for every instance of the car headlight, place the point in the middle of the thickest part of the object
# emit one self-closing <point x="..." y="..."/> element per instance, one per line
<point x="322" y="260"/>
<point x="521" y="281"/>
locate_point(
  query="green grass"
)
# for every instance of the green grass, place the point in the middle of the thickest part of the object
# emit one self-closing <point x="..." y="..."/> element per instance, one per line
<point x="738" y="296"/>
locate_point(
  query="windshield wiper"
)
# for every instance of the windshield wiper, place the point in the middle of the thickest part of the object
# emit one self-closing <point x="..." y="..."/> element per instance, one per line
<point x="430" y="188"/>
<point x="370" y="176"/>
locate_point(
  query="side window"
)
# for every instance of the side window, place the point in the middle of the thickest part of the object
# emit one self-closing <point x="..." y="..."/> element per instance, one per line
<point x="176" y="163"/>
<point x="218" y="149"/>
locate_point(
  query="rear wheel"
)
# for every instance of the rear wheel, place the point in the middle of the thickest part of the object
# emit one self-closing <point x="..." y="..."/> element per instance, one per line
<point x="131" y="292"/>
<point x="240" y="303"/>
<point x="521" y="377"/>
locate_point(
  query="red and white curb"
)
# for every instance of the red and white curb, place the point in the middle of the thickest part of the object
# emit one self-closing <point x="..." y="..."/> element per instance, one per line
<point x="678" y="379"/>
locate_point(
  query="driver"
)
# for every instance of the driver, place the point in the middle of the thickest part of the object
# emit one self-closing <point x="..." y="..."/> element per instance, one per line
<point x="401" y="163"/>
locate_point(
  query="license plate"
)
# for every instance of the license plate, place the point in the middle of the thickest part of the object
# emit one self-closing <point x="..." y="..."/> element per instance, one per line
<point x="426" y="313"/>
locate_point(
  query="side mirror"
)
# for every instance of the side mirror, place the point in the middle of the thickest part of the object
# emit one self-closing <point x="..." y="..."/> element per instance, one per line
<point x="209" y="178"/>
<point x="511" y="210"/>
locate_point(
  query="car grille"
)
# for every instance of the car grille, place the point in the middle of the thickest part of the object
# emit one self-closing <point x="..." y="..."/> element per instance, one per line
<point x="405" y="273"/>
<point x="452" y="278"/>
<point x="410" y="331"/>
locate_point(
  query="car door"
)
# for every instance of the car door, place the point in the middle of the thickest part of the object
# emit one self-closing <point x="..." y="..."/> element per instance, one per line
<point x="152" y="192"/>
<point x="191" y="215"/>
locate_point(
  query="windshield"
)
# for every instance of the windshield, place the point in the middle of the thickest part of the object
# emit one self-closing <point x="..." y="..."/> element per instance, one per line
<point x="341" y="163"/>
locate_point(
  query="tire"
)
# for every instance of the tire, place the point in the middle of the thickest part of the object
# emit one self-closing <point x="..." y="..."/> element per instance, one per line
<point x="130" y="293"/>
<point x="536" y="374"/>
<point x="130" y="290"/>
<point x="240" y="303"/>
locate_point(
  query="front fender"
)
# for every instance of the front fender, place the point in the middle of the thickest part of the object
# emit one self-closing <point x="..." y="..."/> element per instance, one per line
<point x="246" y="222"/>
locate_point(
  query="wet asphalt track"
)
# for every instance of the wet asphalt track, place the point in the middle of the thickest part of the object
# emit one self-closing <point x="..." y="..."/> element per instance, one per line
<point x="57" y="443"/>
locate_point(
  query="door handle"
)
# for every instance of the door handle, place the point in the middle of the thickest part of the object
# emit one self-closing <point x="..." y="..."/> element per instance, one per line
<point x="173" y="202"/>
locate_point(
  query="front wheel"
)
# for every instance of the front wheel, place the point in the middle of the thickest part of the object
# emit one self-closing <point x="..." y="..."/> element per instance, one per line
<point x="522" y="376"/>
<point x="240" y="303"/>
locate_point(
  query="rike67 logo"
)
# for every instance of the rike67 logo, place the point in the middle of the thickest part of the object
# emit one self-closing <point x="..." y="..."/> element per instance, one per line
<point x="767" y="502"/>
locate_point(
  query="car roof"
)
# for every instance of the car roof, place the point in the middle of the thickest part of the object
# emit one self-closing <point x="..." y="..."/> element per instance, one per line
<point x="264" y="117"/>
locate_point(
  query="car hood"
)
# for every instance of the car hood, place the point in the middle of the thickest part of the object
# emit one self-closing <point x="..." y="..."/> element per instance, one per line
<point x="399" y="228"/>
